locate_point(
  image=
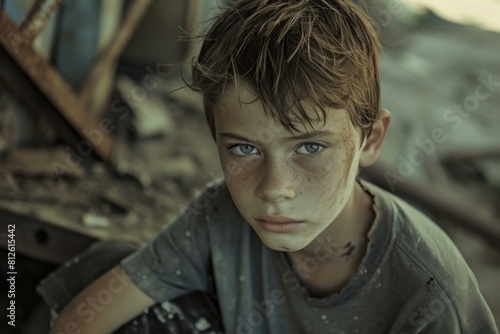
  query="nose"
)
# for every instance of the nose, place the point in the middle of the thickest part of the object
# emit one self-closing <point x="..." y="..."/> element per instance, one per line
<point x="277" y="182"/>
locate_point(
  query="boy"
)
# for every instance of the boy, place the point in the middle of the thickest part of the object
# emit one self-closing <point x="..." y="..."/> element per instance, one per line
<point x="291" y="241"/>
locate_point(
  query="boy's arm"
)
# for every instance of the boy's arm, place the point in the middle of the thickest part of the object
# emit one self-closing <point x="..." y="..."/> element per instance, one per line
<point x="103" y="306"/>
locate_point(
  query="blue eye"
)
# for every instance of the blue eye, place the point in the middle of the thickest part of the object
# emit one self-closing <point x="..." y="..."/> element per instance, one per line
<point x="244" y="149"/>
<point x="310" y="148"/>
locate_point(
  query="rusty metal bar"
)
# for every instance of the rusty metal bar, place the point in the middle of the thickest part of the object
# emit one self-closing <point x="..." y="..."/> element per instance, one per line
<point x="37" y="17"/>
<point x="34" y="71"/>
<point x="19" y="84"/>
<point x="443" y="203"/>
<point x="127" y="28"/>
<point x="106" y="60"/>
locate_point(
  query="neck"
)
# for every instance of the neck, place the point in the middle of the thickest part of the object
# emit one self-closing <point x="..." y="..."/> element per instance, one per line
<point x="339" y="249"/>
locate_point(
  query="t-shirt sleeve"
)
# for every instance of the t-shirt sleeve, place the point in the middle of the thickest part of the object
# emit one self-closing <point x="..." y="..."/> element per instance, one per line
<point x="176" y="261"/>
<point x="449" y="302"/>
<point x="454" y="305"/>
<point x="464" y="311"/>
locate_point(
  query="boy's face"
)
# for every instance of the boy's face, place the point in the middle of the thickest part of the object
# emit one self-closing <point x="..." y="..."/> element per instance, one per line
<point x="289" y="187"/>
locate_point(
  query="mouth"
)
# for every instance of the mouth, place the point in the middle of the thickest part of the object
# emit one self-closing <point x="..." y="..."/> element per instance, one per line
<point x="278" y="224"/>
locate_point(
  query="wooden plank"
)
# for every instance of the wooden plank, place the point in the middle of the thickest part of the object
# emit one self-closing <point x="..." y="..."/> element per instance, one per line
<point x="479" y="153"/>
<point x="43" y="241"/>
<point x="128" y="27"/>
<point x="38" y="162"/>
<point x="20" y="85"/>
<point x="53" y="87"/>
<point x="69" y="216"/>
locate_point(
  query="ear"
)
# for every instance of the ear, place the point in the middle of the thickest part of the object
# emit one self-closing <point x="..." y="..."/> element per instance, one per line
<point x="370" y="150"/>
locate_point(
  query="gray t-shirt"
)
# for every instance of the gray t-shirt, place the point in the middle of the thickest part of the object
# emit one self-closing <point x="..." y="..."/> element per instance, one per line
<point x="412" y="280"/>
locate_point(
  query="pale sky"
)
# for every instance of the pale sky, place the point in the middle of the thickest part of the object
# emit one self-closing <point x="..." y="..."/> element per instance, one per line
<point x="482" y="13"/>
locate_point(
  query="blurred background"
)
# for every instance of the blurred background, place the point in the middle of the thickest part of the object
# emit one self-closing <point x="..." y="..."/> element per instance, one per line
<point x="99" y="139"/>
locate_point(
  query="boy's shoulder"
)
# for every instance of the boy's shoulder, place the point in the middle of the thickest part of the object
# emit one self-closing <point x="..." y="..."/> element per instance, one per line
<point x="422" y="255"/>
<point x="414" y="233"/>
<point x="423" y="266"/>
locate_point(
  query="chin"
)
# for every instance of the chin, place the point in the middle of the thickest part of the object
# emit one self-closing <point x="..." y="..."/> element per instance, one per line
<point x="280" y="248"/>
<point x="282" y="245"/>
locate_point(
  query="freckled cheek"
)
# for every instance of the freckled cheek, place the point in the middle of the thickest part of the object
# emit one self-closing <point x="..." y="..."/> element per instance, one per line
<point x="241" y="185"/>
<point x="322" y="182"/>
<point x="323" y="172"/>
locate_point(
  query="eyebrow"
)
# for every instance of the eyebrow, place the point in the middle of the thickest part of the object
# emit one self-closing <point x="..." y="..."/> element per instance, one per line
<point x="309" y="135"/>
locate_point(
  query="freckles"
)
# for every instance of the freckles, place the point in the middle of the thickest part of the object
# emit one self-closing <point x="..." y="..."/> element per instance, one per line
<point x="241" y="182"/>
<point x="238" y="187"/>
<point x="332" y="188"/>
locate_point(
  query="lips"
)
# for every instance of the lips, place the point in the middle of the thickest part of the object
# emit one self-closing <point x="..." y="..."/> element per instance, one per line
<point x="278" y="224"/>
<point x="277" y="219"/>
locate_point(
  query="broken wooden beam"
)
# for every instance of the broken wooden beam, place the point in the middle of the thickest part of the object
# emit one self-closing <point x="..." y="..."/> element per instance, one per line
<point x="36" y="162"/>
<point x="24" y="71"/>
<point x="43" y="241"/>
<point x="37" y="17"/>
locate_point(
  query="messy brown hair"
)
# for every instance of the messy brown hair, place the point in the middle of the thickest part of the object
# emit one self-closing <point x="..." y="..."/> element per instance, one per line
<point x="321" y="51"/>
